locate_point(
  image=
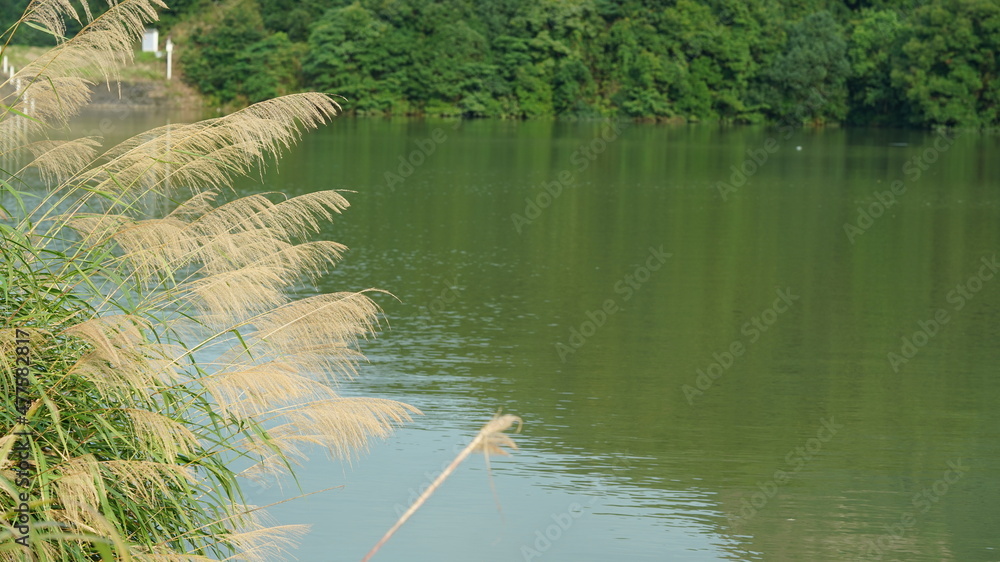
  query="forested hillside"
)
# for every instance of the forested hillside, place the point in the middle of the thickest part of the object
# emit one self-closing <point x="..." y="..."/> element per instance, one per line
<point x="913" y="62"/>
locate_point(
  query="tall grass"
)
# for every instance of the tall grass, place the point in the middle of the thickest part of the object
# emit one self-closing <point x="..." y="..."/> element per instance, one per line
<point x="164" y="349"/>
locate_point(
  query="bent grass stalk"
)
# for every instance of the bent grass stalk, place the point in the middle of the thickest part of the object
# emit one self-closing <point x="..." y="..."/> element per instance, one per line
<point x="490" y="439"/>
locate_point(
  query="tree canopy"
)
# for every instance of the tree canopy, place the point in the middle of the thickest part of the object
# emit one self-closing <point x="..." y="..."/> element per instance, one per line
<point x="913" y="62"/>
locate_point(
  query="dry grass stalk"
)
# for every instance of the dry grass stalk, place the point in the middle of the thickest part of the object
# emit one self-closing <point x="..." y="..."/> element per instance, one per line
<point x="490" y="439"/>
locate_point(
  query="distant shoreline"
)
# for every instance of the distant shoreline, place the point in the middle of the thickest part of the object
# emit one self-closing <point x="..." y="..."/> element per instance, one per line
<point x="146" y="93"/>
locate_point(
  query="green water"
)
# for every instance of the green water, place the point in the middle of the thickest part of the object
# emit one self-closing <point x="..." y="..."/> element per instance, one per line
<point x="811" y="442"/>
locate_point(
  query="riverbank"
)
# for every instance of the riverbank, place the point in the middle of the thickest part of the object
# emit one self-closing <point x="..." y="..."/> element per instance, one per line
<point x="143" y="83"/>
<point x="146" y="93"/>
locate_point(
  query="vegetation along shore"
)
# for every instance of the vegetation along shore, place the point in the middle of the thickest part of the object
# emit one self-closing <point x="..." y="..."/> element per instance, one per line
<point x="914" y="63"/>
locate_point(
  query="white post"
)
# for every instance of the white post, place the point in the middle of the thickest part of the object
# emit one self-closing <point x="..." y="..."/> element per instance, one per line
<point x="170" y="51"/>
<point x="5" y="64"/>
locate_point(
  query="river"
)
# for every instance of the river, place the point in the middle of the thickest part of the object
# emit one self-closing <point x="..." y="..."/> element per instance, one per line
<point x="726" y="343"/>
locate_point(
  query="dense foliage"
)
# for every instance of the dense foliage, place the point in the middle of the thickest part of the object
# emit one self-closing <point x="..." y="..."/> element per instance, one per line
<point x="912" y="62"/>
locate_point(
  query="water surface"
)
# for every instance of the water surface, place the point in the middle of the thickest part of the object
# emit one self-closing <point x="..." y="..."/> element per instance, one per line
<point x="810" y="443"/>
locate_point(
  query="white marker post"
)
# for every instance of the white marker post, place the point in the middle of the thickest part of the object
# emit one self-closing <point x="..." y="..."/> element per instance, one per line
<point x="170" y="51"/>
<point x="5" y="64"/>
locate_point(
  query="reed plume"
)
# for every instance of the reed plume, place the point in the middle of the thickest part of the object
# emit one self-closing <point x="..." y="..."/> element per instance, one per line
<point x="162" y="346"/>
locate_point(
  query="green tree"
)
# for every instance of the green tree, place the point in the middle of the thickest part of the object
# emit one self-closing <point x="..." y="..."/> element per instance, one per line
<point x="236" y="59"/>
<point x="573" y="88"/>
<point x="809" y="79"/>
<point x="273" y="68"/>
<point x="792" y="61"/>
<point x="874" y="43"/>
<point x="215" y="59"/>
<point x="355" y="55"/>
<point x="640" y="78"/>
<point x="948" y="70"/>
<point x="450" y="68"/>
